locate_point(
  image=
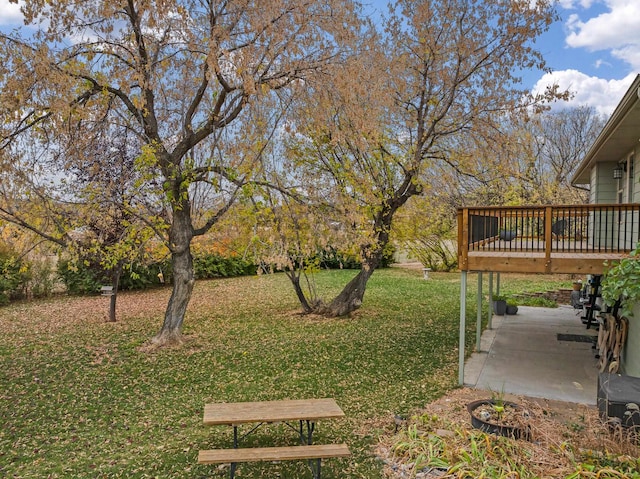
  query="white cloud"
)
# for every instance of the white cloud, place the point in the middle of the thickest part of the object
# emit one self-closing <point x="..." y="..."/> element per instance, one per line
<point x="617" y="30"/>
<point x="604" y="95"/>
<point x="571" y="4"/>
<point x="9" y="13"/>
<point x="598" y="63"/>
<point x="630" y="54"/>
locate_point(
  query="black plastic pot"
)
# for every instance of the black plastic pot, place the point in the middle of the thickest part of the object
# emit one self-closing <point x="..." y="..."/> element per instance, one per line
<point x="507" y="431"/>
<point x="507" y="235"/>
<point x="500" y="307"/>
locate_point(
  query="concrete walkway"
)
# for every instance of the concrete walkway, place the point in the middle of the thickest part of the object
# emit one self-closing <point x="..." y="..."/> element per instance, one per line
<point x="524" y="354"/>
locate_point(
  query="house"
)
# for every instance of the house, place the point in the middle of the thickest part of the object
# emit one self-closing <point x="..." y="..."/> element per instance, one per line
<point x="574" y="239"/>
<point x="611" y="168"/>
<point x="611" y="161"/>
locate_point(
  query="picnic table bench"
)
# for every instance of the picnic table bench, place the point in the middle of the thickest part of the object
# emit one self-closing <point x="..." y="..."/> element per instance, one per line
<point x="305" y="412"/>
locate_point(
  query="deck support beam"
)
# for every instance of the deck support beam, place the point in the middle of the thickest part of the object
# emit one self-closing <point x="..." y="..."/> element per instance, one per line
<point x="463" y="311"/>
<point x="490" y="315"/>
<point x="479" y="312"/>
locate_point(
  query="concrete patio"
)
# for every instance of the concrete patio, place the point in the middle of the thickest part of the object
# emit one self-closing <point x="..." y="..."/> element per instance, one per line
<point x="539" y="352"/>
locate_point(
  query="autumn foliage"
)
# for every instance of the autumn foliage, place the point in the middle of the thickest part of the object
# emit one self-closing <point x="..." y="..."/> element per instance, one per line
<point x="156" y="118"/>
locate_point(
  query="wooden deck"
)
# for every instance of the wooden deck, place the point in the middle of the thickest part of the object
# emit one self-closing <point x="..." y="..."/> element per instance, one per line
<point x="546" y="239"/>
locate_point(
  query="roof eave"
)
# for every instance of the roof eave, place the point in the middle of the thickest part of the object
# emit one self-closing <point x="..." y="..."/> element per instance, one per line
<point x="631" y="97"/>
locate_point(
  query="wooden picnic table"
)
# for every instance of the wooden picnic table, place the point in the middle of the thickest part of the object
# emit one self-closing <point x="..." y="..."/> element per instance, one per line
<point x="271" y="411"/>
<point x="304" y="411"/>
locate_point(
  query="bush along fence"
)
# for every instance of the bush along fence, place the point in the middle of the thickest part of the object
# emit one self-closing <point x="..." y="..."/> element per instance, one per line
<point x="86" y="275"/>
<point x="13" y="276"/>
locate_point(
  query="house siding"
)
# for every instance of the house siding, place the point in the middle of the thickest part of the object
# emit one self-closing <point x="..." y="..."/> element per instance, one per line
<point x="631" y="187"/>
<point x="604" y="190"/>
<point x="631" y="351"/>
<point x="635" y="197"/>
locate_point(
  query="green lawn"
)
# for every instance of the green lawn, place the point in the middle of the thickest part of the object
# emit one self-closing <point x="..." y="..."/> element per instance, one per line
<point x="80" y="397"/>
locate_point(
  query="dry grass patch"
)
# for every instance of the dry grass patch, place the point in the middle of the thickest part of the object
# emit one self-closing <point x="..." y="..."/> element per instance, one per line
<point x="569" y="441"/>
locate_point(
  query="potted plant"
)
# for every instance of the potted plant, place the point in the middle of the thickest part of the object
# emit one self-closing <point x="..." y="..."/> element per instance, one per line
<point x="621" y="282"/>
<point x="512" y="306"/>
<point x="621" y="286"/>
<point x="497" y="416"/>
<point x="507" y="235"/>
<point x="499" y="304"/>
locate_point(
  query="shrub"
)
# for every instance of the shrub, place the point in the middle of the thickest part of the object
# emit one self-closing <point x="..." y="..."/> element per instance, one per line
<point x="621" y="282"/>
<point x="217" y="266"/>
<point x="142" y="276"/>
<point x="82" y="276"/>
<point x="42" y="278"/>
<point x="332" y="258"/>
<point x="434" y="252"/>
<point x="388" y="256"/>
<point x="13" y="275"/>
<point x="86" y="277"/>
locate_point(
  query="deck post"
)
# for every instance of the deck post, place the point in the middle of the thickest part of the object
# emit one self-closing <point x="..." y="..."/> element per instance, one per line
<point x="463" y="310"/>
<point x="463" y="239"/>
<point x="479" y="313"/>
<point x="548" y="238"/>
<point x="490" y="299"/>
<point x="497" y="283"/>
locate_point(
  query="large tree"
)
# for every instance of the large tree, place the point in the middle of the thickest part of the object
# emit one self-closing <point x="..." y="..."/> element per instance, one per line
<point x="446" y="76"/>
<point x="549" y="147"/>
<point x="182" y="74"/>
<point x="109" y="193"/>
<point x="78" y="189"/>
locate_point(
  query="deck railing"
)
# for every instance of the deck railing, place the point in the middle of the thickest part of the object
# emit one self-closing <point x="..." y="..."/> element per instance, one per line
<point x="570" y="230"/>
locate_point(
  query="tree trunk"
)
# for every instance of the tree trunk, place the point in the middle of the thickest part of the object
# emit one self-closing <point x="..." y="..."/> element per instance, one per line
<point x="294" y="277"/>
<point x="183" y="278"/>
<point x="352" y="295"/>
<point x="115" y="282"/>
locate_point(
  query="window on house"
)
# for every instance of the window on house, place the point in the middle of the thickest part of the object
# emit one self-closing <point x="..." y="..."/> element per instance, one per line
<point x="620" y="189"/>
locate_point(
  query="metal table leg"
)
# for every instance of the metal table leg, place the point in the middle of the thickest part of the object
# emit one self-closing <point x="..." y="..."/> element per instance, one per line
<point x="232" y="469"/>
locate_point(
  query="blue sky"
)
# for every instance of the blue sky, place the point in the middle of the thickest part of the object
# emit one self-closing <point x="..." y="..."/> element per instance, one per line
<point x="594" y="50"/>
